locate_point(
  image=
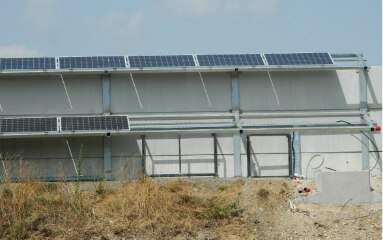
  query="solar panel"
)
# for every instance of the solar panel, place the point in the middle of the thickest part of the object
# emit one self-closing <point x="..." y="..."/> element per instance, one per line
<point x="16" y="125"/>
<point x="299" y="59"/>
<point x="161" y="61"/>
<point x="94" y="123"/>
<point x="92" y="62"/>
<point x="230" y="60"/>
<point x="27" y="63"/>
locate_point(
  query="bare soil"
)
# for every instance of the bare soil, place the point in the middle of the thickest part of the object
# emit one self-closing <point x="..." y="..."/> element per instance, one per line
<point x="203" y="208"/>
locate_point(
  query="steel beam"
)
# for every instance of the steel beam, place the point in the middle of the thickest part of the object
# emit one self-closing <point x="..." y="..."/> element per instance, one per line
<point x="106" y="106"/>
<point x="363" y="106"/>
<point x="235" y="105"/>
<point x="143" y="155"/>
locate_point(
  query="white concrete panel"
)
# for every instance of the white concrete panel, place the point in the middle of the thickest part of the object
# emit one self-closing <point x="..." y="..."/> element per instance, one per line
<point x="296" y="91"/>
<point x="269" y="144"/>
<point x="312" y="162"/>
<point x="126" y="167"/>
<point x="192" y="144"/>
<point x="197" y="164"/>
<point x="226" y="166"/>
<point x="331" y="143"/>
<point x="176" y="92"/>
<point x="162" y="165"/>
<point x="166" y="145"/>
<point x="43" y="95"/>
<point x="126" y="145"/>
<point x="268" y="165"/>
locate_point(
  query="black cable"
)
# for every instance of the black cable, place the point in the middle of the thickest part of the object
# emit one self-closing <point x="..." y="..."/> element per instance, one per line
<point x="373" y="143"/>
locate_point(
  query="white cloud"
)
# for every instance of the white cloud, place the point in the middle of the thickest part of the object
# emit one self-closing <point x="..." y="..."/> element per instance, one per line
<point x="255" y="8"/>
<point x="41" y="14"/>
<point x="17" y="50"/>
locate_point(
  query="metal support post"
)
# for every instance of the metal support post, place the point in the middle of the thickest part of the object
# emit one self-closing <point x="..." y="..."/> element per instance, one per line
<point x="363" y="106"/>
<point x="143" y="155"/>
<point x="248" y="155"/>
<point x="106" y="106"/>
<point x="107" y="159"/>
<point x="236" y="136"/>
<point x="296" y="153"/>
<point x="179" y="155"/>
<point x="215" y="154"/>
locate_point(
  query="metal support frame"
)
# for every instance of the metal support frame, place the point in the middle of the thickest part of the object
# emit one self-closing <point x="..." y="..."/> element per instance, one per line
<point x="215" y="154"/>
<point x="363" y="106"/>
<point x="143" y="155"/>
<point x="106" y="107"/>
<point x="296" y="154"/>
<point x="235" y="105"/>
<point x="179" y="155"/>
<point x="180" y="174"/>
<point x="248" y="153"/>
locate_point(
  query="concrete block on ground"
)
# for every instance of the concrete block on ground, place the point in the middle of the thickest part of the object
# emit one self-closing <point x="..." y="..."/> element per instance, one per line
<point x="342" y="187"/>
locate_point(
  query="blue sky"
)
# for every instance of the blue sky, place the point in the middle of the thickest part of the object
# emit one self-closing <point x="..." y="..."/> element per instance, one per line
<point x="140" y="27"/>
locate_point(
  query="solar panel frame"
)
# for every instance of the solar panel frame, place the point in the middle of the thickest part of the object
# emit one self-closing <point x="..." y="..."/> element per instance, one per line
<point x="42" y="63"/>
<point x="28" y="125"/>
<point x="211" y="60"/>
<point x="95" y="123"/>
<point x="186" y="60"/>
<point x="274" y="59"/>
<point x="92" y="62"/>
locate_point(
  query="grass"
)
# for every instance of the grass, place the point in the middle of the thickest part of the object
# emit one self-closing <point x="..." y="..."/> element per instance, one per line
<point x="149" y="207"/>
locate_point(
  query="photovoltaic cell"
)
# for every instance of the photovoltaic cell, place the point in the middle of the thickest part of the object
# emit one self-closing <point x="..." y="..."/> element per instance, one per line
<point x="92" y="62"/>
<point x="230" y="60"/>
<point x="299" y="59"/>
<point x="161" y="61"/>
<point x="27" y="63"/>
<point x="20" y="125"/>
<point x="94" y="123"/>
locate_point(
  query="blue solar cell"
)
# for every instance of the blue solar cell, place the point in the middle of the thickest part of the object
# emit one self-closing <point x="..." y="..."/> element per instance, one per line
<point x="299" y="59"/>
<point x="92" y="62"/>
<point x="230" y="60"/>
<point x="161" y="61"/>
<point x="27" y="63"/>
<point x="94" y="123"/>
<point x="8" y="125"/>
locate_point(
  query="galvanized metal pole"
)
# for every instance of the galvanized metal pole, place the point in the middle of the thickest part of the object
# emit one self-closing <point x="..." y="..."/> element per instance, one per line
<point x="248" y="155"/>
<point x="236" y="136"/>
<point x="106" y="107"/>
<point x="296" y="156"/>
<point x="143" y="155"/>
<point x="363" y="106"/>
<point x="179" y="155"/>
<point x="215" y="154"/>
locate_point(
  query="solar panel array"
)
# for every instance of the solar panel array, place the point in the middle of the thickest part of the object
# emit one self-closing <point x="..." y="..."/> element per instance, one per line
<point x="161" y="61"/>
<point x="299" y="59"/>
<point x="94" y="123"/>
<point x="27" y="63"/>
<point x="92" y="62"/>
<point x="20" y="125"/>
<point x="230" y="60"/>
<point x="165" y="61"/>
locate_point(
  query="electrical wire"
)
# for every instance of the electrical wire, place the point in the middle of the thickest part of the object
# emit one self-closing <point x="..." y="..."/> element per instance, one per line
<point x="373" y="143"/>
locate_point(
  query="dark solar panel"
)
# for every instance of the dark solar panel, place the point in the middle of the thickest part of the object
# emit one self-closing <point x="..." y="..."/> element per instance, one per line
<point x="230" y="60"/>
<point x="94" y="123"/>
<point x="92" y="62"/>
<point x="17" y="125"/>
<point x="161" y="61"/>
<point x="299" y="59"/>
<point x="27" y="63"/>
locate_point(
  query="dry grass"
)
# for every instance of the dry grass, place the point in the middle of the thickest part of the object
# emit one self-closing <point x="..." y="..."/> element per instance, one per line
<point x="153" y="208"/>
